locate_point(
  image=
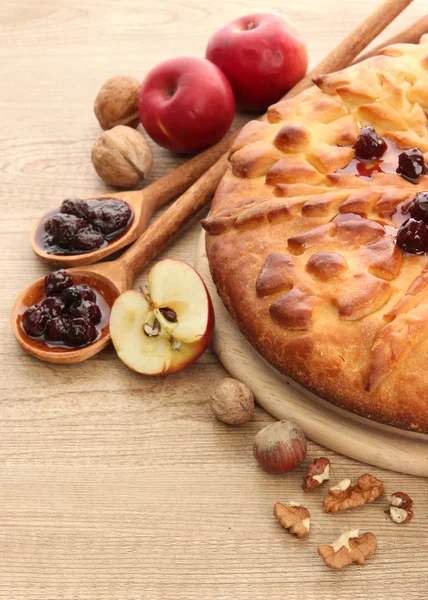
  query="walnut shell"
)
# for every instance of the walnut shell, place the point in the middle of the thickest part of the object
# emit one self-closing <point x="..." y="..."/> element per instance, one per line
<point x="232" y="402"/>
<point x="117" y="102"/>
<point x="122" y="157"/>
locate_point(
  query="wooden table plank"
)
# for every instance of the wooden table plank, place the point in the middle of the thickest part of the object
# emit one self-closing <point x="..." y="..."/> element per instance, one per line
<point x="116" y="486"/>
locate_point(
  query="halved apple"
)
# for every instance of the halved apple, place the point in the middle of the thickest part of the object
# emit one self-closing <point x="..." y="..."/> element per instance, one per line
<point x="166" y="327"/>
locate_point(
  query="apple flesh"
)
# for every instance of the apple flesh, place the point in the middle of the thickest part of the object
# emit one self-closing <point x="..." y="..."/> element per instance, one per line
<point x="262" y="55"/>
<point x="186" y="104"/>
<point x="168" y="326"/>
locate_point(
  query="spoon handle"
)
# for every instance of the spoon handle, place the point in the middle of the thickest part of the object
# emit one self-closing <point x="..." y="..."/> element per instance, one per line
<point x="172" y="221"/>
<point x="179" y="180"/>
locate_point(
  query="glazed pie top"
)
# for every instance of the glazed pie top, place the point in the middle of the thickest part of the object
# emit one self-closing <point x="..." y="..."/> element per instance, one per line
<point x="301" y="239"/>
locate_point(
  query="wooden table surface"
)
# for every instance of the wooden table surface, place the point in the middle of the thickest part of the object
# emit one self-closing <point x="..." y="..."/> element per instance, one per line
<point x="112" y="485"/>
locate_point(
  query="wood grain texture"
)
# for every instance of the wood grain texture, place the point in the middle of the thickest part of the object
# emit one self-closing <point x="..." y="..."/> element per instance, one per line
<point x="120" y="487"/>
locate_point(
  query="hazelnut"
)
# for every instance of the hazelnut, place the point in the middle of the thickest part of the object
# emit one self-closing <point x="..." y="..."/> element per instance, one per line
<point x="122" y="157"/>
<point x="232" y="402"/>
<point x="280" y="447"/>
<point x="117" y="102"/>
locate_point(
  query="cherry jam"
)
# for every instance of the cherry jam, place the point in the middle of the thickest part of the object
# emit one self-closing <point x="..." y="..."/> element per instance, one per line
<point x="71" y="315"/>
<point x="81" y="226"/>
<point x="369" y="145"/>
<point x="412" y="235"/>
<point x="365" y="168"/>
<point x="411" y="165"/>
<point x="418" y="208"/>
<point x="374" y="154"/>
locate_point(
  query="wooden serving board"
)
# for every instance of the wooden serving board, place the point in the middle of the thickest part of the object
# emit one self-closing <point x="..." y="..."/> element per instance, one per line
<point x="323" y="423"/>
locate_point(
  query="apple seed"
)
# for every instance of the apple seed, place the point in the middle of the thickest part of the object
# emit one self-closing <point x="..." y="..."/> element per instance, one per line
<point x="169" y="314"/>
<point x="152" y="330"/>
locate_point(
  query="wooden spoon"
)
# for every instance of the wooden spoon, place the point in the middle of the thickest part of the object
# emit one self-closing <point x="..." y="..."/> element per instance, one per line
<point x="144" y="204"/>
<point x="110" y="279"/>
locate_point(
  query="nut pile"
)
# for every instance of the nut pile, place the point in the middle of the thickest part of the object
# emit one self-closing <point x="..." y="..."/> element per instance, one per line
<point x="121" y="156"/>
<point x="281" y="447"/>
<point x="352" y="546"/>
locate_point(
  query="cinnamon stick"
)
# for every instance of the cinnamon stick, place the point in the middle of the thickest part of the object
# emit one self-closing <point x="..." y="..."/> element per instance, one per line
<point x="410" y="35"/>
<point x="354" y="43"/>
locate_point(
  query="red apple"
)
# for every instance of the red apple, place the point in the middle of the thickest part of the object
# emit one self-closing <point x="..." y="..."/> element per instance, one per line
<point x="186" y="104"/>
<point x="262" y="55"/>
<point x="167" y="327"/>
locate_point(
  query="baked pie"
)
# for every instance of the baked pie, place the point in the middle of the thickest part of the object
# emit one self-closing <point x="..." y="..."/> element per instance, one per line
<point x="317" y="237"/>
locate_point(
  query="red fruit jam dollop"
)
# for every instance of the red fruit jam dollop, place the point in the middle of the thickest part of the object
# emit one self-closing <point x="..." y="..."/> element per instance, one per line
<point x="411" y="165"/>
<point x="412" y="236"/>
<point x="369" y="145"/>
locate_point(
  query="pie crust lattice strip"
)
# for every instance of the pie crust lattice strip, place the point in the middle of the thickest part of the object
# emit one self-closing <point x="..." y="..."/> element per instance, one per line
<point x="301" y="239"/>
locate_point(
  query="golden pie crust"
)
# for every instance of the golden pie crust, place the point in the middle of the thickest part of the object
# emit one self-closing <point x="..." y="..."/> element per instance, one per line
<point x="303" y="255"/>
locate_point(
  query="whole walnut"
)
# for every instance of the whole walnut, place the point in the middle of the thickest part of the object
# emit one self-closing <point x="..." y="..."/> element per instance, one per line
<point x="232" y="402"/>
<point x="117" y="102"/>
<point x="122" y="157"/>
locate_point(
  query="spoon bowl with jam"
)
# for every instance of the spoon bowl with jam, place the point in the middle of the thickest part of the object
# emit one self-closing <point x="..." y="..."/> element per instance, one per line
<point x="64" y="317"/>
<point x="84" y="231"/>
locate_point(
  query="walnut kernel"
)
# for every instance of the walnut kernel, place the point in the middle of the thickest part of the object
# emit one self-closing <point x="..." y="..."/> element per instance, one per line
<point x="317" y="472"/>
<point x="348" y="548"/>
<point x="295" y="518"/>
<point x="344" y="495"/>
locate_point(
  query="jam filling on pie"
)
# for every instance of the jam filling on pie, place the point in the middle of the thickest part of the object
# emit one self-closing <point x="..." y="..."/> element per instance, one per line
<point x="412" y="236"/>
<point x="374" y="154"/>
<point x="411" y="165"/>
<point x="369" y="145"/>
